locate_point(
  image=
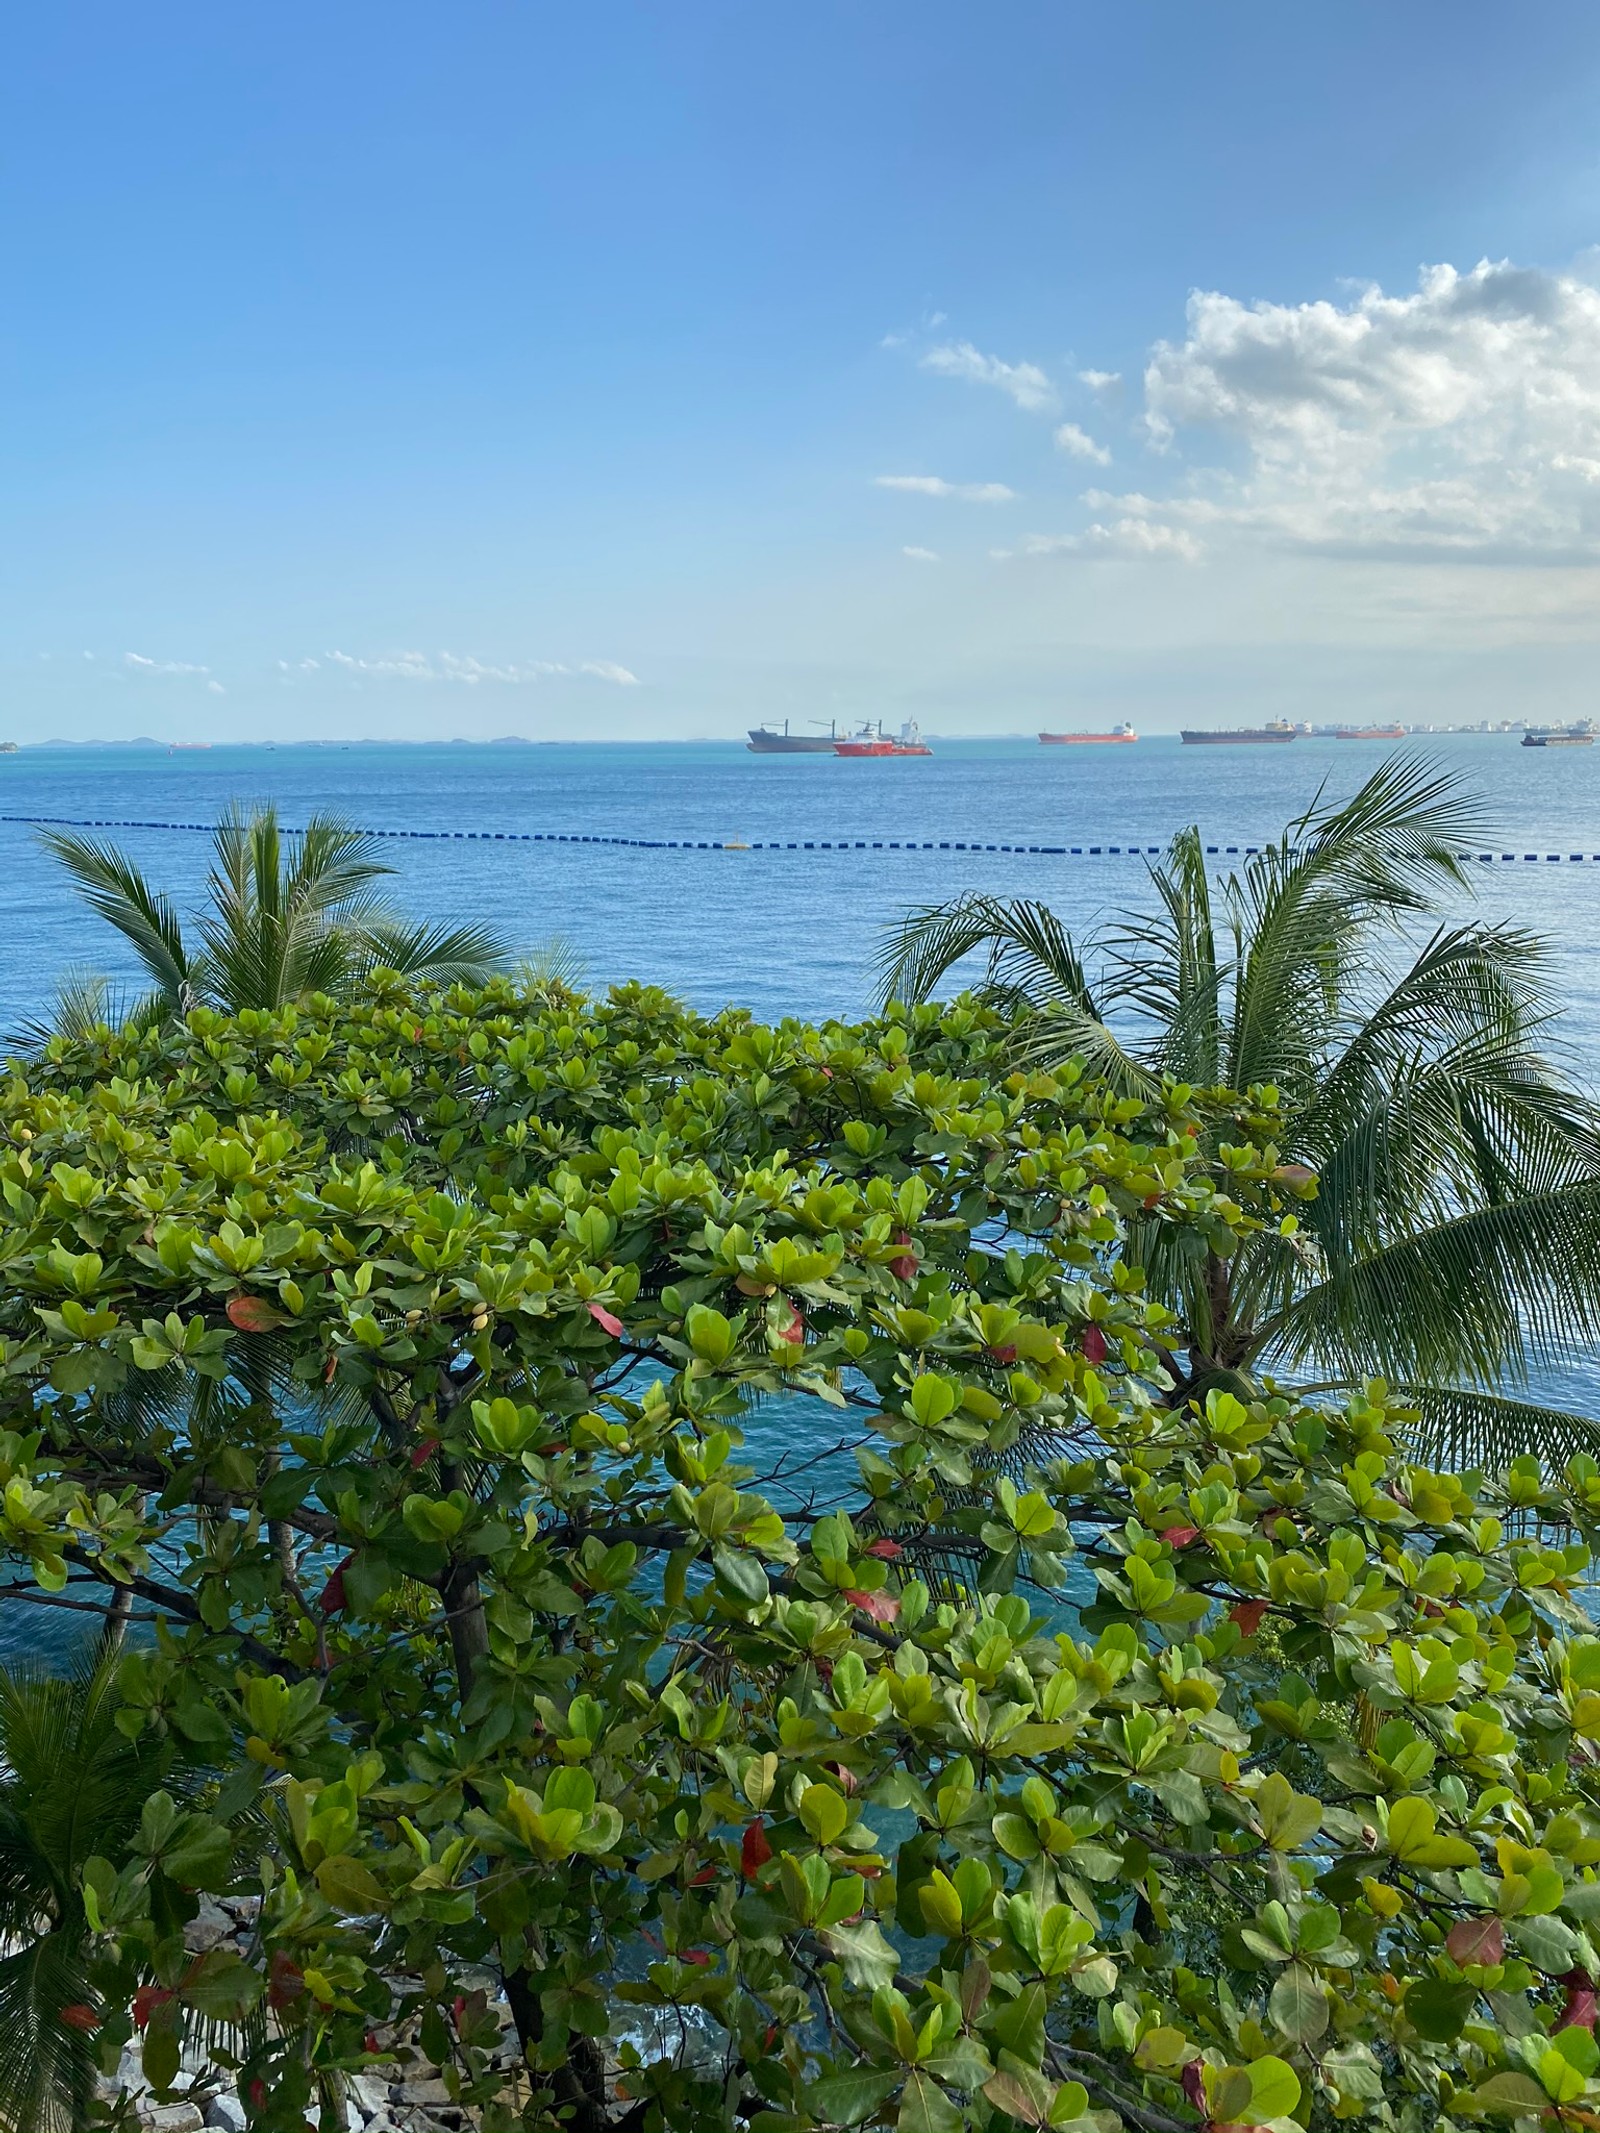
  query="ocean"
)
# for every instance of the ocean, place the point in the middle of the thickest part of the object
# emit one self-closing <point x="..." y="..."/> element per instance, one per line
<point x="780" y="931"/>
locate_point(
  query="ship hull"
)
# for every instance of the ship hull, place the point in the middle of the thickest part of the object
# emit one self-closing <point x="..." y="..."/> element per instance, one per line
<point x="1246" y="736"/>
<point x="1369" y="733"/>
<point x="1558" y="740"/>
<point x="761" y="743"/>
<point x="877" y="748"/>
<point x="1086" y="740"/>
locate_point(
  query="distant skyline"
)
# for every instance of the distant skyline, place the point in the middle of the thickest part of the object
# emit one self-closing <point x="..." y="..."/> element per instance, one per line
<point x="632" y="372"/>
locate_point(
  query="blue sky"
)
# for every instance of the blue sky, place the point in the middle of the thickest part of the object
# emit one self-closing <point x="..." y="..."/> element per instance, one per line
<point x="647" y="370"/>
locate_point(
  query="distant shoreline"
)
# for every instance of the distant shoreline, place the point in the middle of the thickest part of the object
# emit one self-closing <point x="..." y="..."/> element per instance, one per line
<point x="145" y="745"/>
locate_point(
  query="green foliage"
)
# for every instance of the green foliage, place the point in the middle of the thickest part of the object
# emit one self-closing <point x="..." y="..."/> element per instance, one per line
<point x="1450" y="1232"/>
<point x="400" y="1357"/>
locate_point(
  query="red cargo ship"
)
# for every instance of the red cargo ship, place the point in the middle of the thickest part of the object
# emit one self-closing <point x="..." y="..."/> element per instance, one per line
<point x="907" y="742"/>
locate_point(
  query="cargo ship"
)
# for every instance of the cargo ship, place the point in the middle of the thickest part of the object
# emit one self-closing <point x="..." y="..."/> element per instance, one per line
<point x="1279" y="730"/>
<point x="867" y="742"/>
<point x="767" y="740"/>
<point x="1578" y="736"/>
<point x="1080" y="740"/>
<point x="1369" y="733"/>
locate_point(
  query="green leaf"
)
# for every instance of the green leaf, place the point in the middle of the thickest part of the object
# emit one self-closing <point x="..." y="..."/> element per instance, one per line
<point x="845" y="2099"/>
<point x="1274" y="2088"/>
<point x="1438" y="2009"/>
<point x="925" y="2108"/>
<point x="350" y="1887"/>
<point x="1299" y="2005"/>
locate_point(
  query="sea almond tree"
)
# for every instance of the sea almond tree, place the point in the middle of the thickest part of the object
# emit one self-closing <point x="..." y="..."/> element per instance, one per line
<point x="692" y="1521"/>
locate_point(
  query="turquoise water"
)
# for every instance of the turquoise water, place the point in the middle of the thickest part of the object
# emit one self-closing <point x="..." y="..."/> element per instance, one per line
<point x="779" y="931"/>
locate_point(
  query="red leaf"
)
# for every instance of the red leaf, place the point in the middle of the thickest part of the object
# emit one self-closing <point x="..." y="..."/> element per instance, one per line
<point x="1248" y="1615"/>
<point x="258" y="2094"/>
<point x="145" y="2002"/>
<point x="881" y="1606"/>
<point x="458" y="2008"/>
<point x="424" y="1452"/>
<point x="608" y="1319"/>
<point x="1476" y="1940"/>
<point x="795" y="1330"/>
<point x="1578" y="2011"/>
<point x="1193" y="2079"/>
<point x="904" y="1267"/>
<point x="1006" y="1355"/>
<point x="754" y="1850"/>
<point x="704" y="1878"/>
<point x="1180" y="1536"/>
<point x="332" y="1366"/>
<point x="253" y="1314"/>
<point x="886" y="1550"/>
<point x="700" y="1957"/>
<point x="369" y="2042"/>
<point x="848" y="1781"/>
<point x="332" y="1600"/>
<point x="77" y="2016"/>
<point x="1094" y="1344"/>
<point x="285" y="1980"/>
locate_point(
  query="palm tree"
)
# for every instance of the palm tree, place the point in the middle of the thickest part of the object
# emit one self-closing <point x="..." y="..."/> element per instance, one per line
<point x="72" y="1787"/>
<point x="289" y="913"/>
<point x="1453" y="1242"/>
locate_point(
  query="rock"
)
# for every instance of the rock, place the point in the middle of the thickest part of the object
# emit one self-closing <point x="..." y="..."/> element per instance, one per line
<point x="208" y="1929"/>
<point x="226" y="2112"/>
<point x="171" y="2118"/>
<point x="424" y="2092"/>
<point x="371" y="2093"/>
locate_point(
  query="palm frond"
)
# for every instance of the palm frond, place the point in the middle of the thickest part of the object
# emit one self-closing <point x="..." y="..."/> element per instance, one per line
<point x="1461" y="1427"/>
<point x="1476" y="1298"/>
<point x="47" y="2065"/>
<point x="117" y="891"/>
<point x="444" y="954"/>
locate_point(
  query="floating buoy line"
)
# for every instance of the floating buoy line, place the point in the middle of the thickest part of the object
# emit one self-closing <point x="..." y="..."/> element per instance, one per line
<point x="774" y="844"/>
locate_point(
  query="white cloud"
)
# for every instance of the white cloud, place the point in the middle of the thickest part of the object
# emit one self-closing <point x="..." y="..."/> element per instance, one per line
<point x="1025" y="383"/>
<point x="1081" y="445"/>
<point x="141" y="665"/>
<point x="971" y="492"/>
<point x="1129" y="536"/>
<point x="1460" y="421"/>
<point x="921" y="555"/>
<point x="1100" y="381"/>
<point x="216" y="688"/>
<point x="458" y="667"/>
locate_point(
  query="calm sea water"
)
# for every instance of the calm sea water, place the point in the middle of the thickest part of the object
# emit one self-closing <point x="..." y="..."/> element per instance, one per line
<point x="781" y="932"/>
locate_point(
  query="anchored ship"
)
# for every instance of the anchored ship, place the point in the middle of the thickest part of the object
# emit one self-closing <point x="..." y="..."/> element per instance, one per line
<point x="766" y="740"/>
<point x="1370" y="733"/>
<point x="1579" y="736"/>
<point x="1279" y="730"/>
<point x="869" y="742"/>
<point x="1078" y="740"/>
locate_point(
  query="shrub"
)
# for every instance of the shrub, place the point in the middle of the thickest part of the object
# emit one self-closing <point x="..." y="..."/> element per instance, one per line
<point x="1047" y="1756"/>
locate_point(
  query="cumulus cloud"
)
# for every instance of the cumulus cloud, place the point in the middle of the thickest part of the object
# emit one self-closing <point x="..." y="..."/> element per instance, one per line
<point x="1129" y="536"/>
<point x="141" y="665"/>
<point x="459" y="667"/>
<point x="1025" y="383"/>
<point x="921" y="555"/>
<point x="1081" y="445"/>
<point x="1100" y="381"/>
<point x="971" y="492"/>
<point x="1460" y="420"/>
